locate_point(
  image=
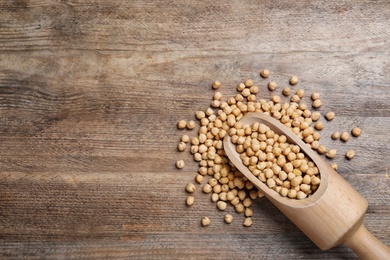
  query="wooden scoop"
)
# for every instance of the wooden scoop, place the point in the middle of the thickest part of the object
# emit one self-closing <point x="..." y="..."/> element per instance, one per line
<point x="333" y="215"/>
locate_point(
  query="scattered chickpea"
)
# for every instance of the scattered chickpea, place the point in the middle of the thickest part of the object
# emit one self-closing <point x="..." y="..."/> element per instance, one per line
<point x="344" y="136"/>
<point x="191" y="125"/>
<point x="190" y="200"/>
<point x="317" y="103"/>
<point x="350" y="154"/>
<point x="180" y="164"/>
<point x="241" y="87"/>
<point x="315" y="96"/>
<point x="221" y="205"/>
<point x="331" y="153"/>
<point x="335" y="135"/>
<point x="248" y="83"/>
<point x="315" y="115"/>
<point x="321" y="149"/>
<point x="264" y="73"/>
<point x="207" y="188"/>
<point x="205" y="221"/>
<point x="228" y="218"/>
<point x="286" y="91"/>
<point x="300" y="93"/>
<point x="185" y="138"/>
<point x="199" y="178"/>
<point x="319" y="125"/>
<point x="334" y="166"/>
<point x="216" y="84"/>
<point x="248" y="222"/>
<point x="272" y="85"/>
<point x="293" y="80"/>
<point x="329" y="116"/>
<point x="190" y="187"/>
<point x="356" y="132"/>
<point x="181" y="146"/>
<point x="181" y="124"/>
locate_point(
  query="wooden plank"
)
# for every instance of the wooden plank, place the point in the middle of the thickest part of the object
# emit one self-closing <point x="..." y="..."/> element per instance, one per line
<point x="90" y="93"/>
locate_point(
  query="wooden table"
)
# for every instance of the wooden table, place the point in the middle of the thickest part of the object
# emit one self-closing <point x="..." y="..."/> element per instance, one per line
<point x="90" y="93"/>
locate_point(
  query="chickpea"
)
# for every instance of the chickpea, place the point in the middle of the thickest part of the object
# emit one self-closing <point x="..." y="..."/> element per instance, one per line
<point x="344" y="136"/>
<point x="286" y="91"/>
<point x="241" y="87"/>
<point x="329" y="116"/>
<point x="315" y="96"/>
<point x="334" y="166"/>
<point x="335" y="135"/>
<point x="181" y="146"/>
<point x="264" y="73"/>
<point x="319" y="125"/>
<point x="214" y="197"/>
<point x="315" y="116"/>
<point x="216" y="84"/>
<point x="247" y="222"/>
<point x="180" y="164"/>
<point x="356" y="132"/>
<point x="221" y="205"/>
<point x="228" y="218"/>
<point x="350" y="154"/>
<point x="205" y="221"/>
<point x="190" y="187"/>
<point x="272" y="85"/>
<point x="181" y="124"/>
<point x="293" y="80"/>
<point x="207" y="188"/>
<point x="331" y="153"/>
<point x="321" y="149"/>
<point x="199" y="178"/>
<point x="300" y="93"/>
<point x="317" y="103"/>
<point x="190" y="200"/>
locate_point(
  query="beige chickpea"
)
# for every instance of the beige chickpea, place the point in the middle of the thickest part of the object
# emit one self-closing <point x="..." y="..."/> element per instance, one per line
<point x="335" y="135"/>
<point x="300" y="93"/>
<point x="344" y="136"/>
<point x="205" y="221"/>
<point x="180" y="164"/>
<point x="329" y="116"/>
<point x="240" y="87"/>
<point x="181" y="124"/>
<point x="319" y="125"/>
<point x="181" y="146"/>
<point x="207" y="188"/>
<point x="356" y="131"/>
<point x="315" y="116"/>
<point x="199" y="178"/>
<point x="221" y="205"/>
<point x="228" y="218"/>
<point x="272" y="85"/>
<point x="317" y="103"/>
<point x="350" y="154"/>
<point x="190" y="200"/>
<point x="315" y="96"/>
<point x="214" y="197"/>
<point x="293" y="80"/>
<point x="334" y="166"/>
<point x="286" y="91"/>
<point x="190" y="187"/>
<point x="248" y="222"/>
<point x="216" y="84"/>
<point x="264" y="73"/>
<point x="321" y="149"/>
<point x="331" y="153"/>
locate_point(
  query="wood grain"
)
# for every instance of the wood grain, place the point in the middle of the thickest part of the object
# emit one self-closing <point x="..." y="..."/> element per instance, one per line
<point x="90" y="92"/>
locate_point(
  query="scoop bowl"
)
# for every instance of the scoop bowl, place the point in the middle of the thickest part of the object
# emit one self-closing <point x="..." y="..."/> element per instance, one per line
<point x="333" y="215"/>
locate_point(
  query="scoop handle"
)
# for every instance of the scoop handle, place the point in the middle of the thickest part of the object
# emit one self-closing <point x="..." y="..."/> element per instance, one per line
<point x="366" y="246"/>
